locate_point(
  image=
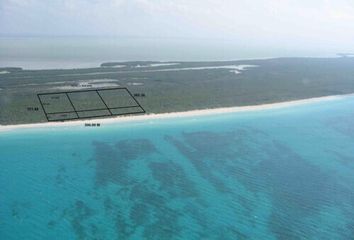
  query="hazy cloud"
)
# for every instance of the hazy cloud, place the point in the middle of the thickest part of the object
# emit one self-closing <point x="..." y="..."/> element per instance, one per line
<point x="285" y="22"/>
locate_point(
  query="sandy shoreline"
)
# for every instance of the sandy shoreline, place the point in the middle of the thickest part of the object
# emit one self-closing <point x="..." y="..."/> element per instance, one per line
<point x="192" y="113"/>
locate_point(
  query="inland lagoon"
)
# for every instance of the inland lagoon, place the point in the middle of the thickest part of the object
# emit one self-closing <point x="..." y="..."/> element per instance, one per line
<point x="271" y="174"/>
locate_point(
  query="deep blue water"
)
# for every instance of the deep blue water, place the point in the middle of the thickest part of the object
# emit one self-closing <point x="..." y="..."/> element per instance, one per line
<point x="275" y="174"/>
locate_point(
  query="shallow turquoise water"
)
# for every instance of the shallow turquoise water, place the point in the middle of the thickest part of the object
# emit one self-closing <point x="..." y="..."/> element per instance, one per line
<point x="279" y="174"/>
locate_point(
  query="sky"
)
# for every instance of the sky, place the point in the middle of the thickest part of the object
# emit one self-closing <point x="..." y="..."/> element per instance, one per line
<point x="324" y="23"/>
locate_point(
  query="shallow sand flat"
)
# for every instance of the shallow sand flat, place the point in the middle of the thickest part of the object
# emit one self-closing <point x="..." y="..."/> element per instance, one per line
<point x="156" y="65"/>
<point x="240" y="67"/>
<point x="193" y="113"/>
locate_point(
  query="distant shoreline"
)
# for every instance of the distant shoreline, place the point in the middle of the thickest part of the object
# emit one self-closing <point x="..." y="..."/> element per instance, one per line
<point x="79" y="64"/>
<point x="172" y="115"/>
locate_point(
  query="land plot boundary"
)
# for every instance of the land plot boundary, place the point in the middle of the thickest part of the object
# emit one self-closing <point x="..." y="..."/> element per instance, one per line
<point x="60" y="99"/>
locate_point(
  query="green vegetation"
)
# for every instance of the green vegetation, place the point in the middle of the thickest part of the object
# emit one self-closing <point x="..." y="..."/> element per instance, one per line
<point x="164" y="90"/>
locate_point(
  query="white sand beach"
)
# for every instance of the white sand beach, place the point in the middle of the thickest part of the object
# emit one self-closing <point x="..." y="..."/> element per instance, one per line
<point x="192" y="113"/>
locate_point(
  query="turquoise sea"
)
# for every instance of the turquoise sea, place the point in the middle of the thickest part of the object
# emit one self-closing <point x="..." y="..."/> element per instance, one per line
<point x="272" y="174"/>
